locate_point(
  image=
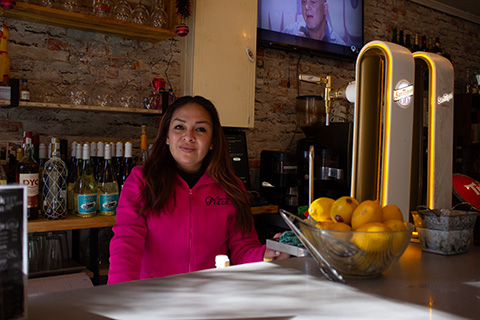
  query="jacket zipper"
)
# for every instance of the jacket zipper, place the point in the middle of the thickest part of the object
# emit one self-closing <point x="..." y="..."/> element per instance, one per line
<point x="190" y="218"/>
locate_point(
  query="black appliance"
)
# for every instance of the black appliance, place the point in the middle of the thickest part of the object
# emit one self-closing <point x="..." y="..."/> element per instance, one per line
<point x="278" y="178"/>
<point x="332" y="147"/>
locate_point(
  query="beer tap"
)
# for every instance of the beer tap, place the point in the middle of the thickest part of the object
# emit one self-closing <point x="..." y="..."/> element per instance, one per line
<point x="331" y="93"/>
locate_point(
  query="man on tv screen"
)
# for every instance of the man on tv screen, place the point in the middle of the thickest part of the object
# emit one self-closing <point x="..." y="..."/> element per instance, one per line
<point x="316" y="23"/>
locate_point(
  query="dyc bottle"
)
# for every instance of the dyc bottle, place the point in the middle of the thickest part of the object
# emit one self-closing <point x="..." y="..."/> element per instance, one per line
<point x="85" y="192"/>
<point x="55" y="185"/>
<point x="107" y="187"/>
<point x="27" y="174"/>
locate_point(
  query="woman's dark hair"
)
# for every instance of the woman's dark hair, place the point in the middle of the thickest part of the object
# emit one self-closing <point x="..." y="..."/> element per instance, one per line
<point x="160" y="170"/>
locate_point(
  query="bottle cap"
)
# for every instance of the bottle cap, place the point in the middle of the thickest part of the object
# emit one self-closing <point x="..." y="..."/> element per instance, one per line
<point x="128" y="149"/>
<point x="42" y="151"/>
<point x="222" y="261"/>
<point x="101" y="149"/>
<point x="86" y="151"/>
<point x="93" y="149"/>
<point x="108" y="152"/>
<point x="78" y="151"/>
<point x="119" y="151"/>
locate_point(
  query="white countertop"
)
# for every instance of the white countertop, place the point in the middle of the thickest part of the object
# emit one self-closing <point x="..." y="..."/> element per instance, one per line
<point x="420" y="286"/>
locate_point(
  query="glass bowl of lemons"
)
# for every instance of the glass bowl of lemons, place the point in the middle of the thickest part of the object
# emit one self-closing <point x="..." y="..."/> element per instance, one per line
<point x="351" y="239"/>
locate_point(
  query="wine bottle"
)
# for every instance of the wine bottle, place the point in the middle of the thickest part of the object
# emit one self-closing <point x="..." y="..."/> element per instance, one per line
<point x="100" y="157"/>
<point x="143" y="146"/>
<point x="55" y="185"/>
<point x="73" y="175"/>
<point x="416" y="45"/>
<point x="24" y="91"/>
<point x="93" y="158"/>
<point x="128" y="164"/>
<point x="3" y="175"/>
<point x="85" y="192"/>
<point x="107" y="187"/>
<point x="27" y="174"/>
<point x="119" y="161"/>
<point x="42" y="158"/>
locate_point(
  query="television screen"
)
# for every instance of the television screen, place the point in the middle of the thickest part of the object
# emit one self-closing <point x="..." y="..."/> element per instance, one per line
<point x="331" y="27"/>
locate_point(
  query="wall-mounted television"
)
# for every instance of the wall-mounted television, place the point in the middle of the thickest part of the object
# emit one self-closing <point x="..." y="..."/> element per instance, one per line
<point x="321" y="27"/>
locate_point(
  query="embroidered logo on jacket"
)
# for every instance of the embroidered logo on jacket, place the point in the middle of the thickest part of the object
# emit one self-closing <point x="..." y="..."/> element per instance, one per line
<point x="217" y="201"/>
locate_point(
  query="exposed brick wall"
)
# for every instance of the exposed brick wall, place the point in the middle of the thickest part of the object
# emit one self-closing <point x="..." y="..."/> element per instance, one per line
<point x="53" y="58"/>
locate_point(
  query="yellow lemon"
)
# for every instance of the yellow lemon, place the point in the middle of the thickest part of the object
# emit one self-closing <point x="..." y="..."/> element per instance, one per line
<point x="342" y="209"/>
<point x="320" y="209"/>
<point x="391" y="211"/>
<point x="365" y="212"/>
<point x="325" y="224"/>
<point x="341" y="226"/>
<point x="371" y="236"/>
<point x="398" y="237"/>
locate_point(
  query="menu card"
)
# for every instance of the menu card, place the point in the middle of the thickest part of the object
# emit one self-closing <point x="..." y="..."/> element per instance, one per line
<point x="13" y="252"/>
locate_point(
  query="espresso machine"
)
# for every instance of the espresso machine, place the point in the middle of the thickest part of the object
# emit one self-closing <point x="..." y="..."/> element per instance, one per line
<point x="326" y="172"/>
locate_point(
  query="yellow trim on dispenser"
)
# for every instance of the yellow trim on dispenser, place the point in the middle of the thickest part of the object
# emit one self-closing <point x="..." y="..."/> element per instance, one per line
<point x="431" y="128"/>
<point x="388" y="116"/>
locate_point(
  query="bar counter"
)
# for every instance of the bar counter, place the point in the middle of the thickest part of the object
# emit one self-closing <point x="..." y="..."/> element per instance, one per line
<point x="420" y="285"/>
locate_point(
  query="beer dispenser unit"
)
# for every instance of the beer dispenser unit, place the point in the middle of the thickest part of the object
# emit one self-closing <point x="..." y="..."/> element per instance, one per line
<point x="383" y="125"/>
<point x="432" y="155"/>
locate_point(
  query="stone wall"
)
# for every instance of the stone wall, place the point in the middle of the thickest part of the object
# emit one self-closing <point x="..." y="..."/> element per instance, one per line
<point x="53" y="59"/>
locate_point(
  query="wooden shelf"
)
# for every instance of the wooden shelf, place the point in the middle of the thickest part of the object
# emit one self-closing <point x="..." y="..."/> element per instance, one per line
<point x="43" y="105"/>
<point x="84" y="22"/>
<point x="71" y="223"/>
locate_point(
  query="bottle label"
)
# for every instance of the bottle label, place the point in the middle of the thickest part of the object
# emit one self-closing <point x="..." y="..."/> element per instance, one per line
<point x="31" y="181"/>
<point x="24" y="95"/>
<point x="108" y="203"/>
<point x="87" y="203"/>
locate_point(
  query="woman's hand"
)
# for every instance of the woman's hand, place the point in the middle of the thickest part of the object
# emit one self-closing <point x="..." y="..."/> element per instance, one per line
<point x="271" y="255"/>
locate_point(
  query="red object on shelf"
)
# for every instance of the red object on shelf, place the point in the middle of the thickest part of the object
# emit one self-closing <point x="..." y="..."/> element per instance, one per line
<point x="467" y="189"/>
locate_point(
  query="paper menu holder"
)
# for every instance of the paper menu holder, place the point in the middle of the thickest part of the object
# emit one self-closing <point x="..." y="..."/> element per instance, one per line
<point x="13" y="252"/>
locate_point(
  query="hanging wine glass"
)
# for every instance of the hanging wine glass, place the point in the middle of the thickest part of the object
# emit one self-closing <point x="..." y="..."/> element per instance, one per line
<point x="158" y="18"/>
<point x="140" y="14"/>
<point x="47" y="3"/>
<point x="122" y="11"/>
<point x="70" y="5"/>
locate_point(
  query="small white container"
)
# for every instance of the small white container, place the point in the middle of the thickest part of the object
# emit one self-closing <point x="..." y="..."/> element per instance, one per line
<point x="222" y="261"/>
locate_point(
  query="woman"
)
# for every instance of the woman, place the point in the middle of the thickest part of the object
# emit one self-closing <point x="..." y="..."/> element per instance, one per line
<point x="185" y="206"/>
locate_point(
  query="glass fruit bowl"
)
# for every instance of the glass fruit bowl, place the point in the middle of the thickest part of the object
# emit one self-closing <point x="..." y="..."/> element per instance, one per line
<point x="350" y="254"/>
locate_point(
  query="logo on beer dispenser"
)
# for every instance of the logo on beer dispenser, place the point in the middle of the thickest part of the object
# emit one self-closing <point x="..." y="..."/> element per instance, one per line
<point x="403" y="93"/>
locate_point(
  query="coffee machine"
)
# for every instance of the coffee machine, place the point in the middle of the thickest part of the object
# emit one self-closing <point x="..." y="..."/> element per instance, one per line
<point x="278" y="178"/>
<point x="331" y="145"/>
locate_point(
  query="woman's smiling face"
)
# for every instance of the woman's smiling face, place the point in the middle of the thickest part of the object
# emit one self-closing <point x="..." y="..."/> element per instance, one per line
<point x="190" y="136"/>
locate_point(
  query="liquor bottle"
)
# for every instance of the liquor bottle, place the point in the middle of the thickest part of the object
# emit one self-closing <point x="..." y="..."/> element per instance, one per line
<point x="24" y="91"/>
<point x="424" y="44"/>
<point x="114" y="159"/>
<point x="3" y="175"/>
<point x="107" y="187"/>
<point x="55" y="185"/>
<point x="127" y="165"/>
<point x="42" y="158"/>
<point x="102" y="8"/>
<point x="394" y="36"/>
<point x="143" y="145"/>
<point x="6" y="81"/>
<point x="73" y="175"/>
<point x="85" y="191"/>
<point x="28" y="175"/>
<point x="73" y="155"/>
<point x="401" y="40"/>
<point x="36" y="145"/>
<point x="408" y="42"/>
<point x="119" y="161"/>
<point x="416" y="44"/>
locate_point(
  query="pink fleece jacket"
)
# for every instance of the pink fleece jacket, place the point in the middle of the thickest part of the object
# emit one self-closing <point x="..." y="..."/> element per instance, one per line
<point x="185" y="239"/>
